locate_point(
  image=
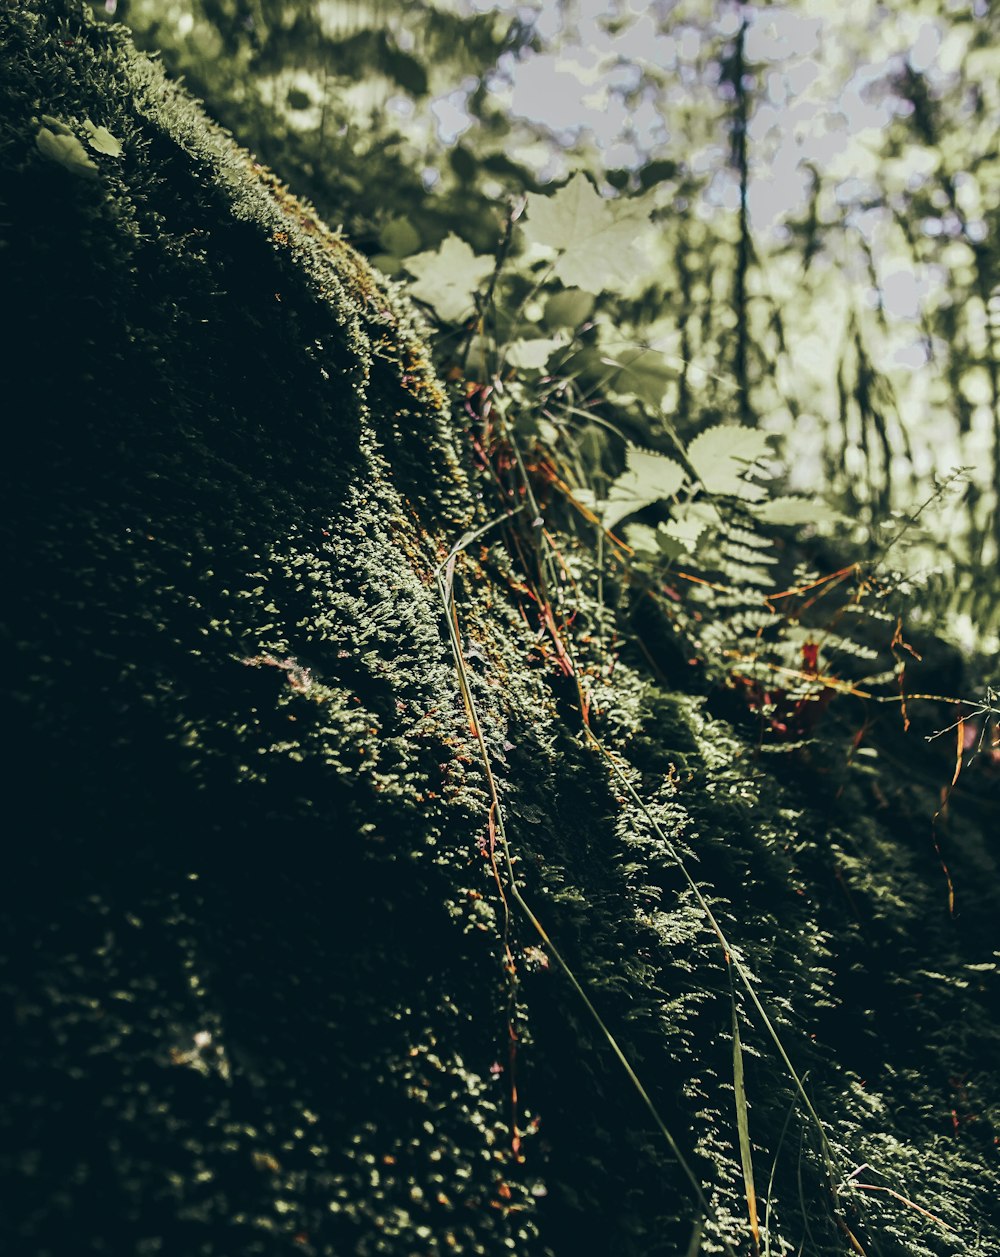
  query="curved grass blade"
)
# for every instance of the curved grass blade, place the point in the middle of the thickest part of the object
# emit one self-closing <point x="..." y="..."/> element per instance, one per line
<point x="743" y="1126"/>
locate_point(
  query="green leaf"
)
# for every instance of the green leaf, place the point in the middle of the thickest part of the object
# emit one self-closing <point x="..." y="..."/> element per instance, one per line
<point x="790" y="511"/>
<point x="569" y="308"/>
<point x="643" y="538"/>
<point x="722" y="456"/>
<point x="55" y="125"/>
<point x="67" y="151"/>
<point x="668" y="547"/>
<point x="595" y="238"/>
<point x="644" y="373"/>
<point x="532" y="355"/>
<point x="688" y="525"/>
<point x="447" y="277"/>
<point x="102" y="141"/>
<point x="399" y="237"/>
<point x="648" y="477"/>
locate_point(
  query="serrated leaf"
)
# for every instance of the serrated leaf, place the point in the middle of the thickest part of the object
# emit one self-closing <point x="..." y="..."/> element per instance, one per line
<point x="66" y="150"/>
<point x="648" y="477"/>
<point x="669" y="547"/>
<point x="643" y="538"/>
<point x="740" y="573"/>
<point x="595" y="238"/>
<point x="790" y="511"/>
<point x="746" y="537"/>
<point x="532" y="355"/>
<point x="655" y="471"/>
<point x="688" y="526"/>
<point x="722" y="455"/>
<point x="447" y="277"/>
<point x="101" y="140"/>
<point x="744" y="554"/>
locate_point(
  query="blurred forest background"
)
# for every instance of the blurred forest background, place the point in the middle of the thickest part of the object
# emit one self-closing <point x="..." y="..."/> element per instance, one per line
<point x="823" y="182"/>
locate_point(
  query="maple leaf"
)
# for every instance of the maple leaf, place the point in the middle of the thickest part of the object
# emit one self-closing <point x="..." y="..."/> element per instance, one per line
<point x="595" y="238"/>
<point x="447" y="277"/>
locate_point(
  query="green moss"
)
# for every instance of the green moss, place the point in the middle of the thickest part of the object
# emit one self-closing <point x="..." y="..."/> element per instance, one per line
<point x="253" y="938"/>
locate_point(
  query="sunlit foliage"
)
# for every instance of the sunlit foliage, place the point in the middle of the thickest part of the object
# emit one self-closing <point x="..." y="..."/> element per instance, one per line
<point x="825" y="182"/>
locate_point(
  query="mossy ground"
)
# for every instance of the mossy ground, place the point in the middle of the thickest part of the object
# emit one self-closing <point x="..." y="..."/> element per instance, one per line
<point x="253" y="946"/>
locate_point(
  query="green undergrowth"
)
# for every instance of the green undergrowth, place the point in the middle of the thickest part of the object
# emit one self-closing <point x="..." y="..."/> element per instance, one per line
<point x="266" y="995"/>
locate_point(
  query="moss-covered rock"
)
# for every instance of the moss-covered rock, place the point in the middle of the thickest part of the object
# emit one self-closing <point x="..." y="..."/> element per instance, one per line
<point x="263" y="994"/>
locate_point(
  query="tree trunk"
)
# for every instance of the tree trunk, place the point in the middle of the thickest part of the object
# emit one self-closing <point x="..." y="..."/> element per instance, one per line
<point x="272" y="989"/>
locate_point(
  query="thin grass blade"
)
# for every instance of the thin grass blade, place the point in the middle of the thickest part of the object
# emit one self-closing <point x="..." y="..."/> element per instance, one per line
<point x="743" y="1128"/>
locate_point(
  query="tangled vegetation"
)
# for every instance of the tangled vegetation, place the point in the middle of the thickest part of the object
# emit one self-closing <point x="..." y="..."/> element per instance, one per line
<point x="824" y="186"/>
<point x="465" y="804"/>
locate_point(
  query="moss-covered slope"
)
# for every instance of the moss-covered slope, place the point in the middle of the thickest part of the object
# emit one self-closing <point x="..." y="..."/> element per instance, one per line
<point x="258" y="994"/>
